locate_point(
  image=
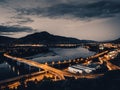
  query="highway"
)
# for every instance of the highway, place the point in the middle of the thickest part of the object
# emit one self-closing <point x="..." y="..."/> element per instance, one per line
<point x="60" y="74"/>
<point x="106" y="59"/>
<point x="98" y="55"/>
<point x="89" y="59"/>
<point x="19" y="77"/>
<point x="15" y="82"/>
<point x="111" y="66"/>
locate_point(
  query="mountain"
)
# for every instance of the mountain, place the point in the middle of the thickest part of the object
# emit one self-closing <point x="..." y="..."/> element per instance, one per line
<point x="47" y="38"/>
<point x="116" y="41"/>
<point x="6" y="40"/>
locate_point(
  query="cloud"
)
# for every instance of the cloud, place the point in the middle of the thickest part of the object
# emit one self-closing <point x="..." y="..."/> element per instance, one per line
<point x="9" y="30"/>
<point x="101" y="9"/>
<point x="22" y="19"/>
<point x="2" y="1"/>
<point x="82" y="9"/>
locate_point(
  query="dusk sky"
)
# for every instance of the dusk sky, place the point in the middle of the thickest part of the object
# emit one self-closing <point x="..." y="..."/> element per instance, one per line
<point x="83" y="19"/>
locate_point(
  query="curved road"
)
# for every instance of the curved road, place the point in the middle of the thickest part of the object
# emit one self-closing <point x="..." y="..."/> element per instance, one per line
<point x="57" y="72"/>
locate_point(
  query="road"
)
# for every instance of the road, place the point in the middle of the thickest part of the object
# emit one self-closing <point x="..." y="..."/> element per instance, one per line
<point x="111" y="66"/>
<point x="15" y="82"/>
<point x="98" y="55"/>
<point x="106" y="59"/>
<point x="22" y="76"/>
<point x="52" y="70"/>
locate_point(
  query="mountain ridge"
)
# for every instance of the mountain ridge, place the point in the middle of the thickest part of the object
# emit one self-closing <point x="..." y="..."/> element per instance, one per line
<point x="6" y="40"/>
<point x="43" y="38"/>
<point x="116" y="41"/>
<point x="47" y="38"/>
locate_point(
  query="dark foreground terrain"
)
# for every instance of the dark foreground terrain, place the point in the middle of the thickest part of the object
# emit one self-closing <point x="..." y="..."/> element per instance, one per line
<point x="110" y="81"/>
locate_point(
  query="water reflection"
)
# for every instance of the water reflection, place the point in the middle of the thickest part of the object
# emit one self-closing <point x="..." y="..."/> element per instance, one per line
<point x="6" y="72"/>
<point x="18" y="72"/>
<point x="61" y="54"/>
<point x="13" y="68"/>
<point x="10" y="70"/>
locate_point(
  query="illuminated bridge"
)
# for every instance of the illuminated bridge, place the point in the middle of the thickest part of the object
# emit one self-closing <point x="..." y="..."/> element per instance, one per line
<point x="109" y="65"/>
<point x="106" y="60"/>
<point x="60" y="74"/>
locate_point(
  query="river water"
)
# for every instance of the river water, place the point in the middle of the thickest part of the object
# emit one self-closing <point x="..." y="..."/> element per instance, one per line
<point x="55" y="54"/>
<point x="6" y="71"/>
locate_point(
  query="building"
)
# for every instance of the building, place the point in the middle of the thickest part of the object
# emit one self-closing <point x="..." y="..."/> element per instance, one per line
<point x="79" y="69"/>
<point x="112" y="54"/>
<point x="101" y="46"/>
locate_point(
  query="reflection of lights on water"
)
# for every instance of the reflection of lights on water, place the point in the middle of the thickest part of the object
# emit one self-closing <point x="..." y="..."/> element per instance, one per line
<point x="59" y="62"/>
<point x="6" y="63"/>
<point x="9" y="66"/>
<point x="13" y="68"/>
<point x="69" y="60"/>
<point x="16" y="88"/>
<point x="53" y="62"/>
<point x="39" y="69"/>
<point x="18" y="73"/>
<point x="65" y="61"/>
<point x="46" y="63"/>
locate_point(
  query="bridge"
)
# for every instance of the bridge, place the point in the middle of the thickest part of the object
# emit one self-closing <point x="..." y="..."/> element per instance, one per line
<point x="60" y="74"/>
<point x="106" y="61"/>
<point x="15" y="82"/>
<point x="78" y="60"/>
<point x="98" y="55"/>
<point x="112" y="66"/>
<point x="89" y="59"/>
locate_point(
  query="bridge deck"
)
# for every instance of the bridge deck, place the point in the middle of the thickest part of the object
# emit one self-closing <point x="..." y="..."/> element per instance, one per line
<point x="57" y="72"/>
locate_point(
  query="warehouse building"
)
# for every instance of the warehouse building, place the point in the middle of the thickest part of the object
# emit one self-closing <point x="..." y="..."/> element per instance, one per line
<point x="79" y="69"/>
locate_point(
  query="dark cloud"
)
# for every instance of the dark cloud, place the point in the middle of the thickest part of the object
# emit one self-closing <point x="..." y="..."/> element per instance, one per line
<point x="27" y="20"/>
<point x="2" y="1"/>
<point x="22" y="20"/>
<point x="13" y="29"/>
<point x="98" y="9"/>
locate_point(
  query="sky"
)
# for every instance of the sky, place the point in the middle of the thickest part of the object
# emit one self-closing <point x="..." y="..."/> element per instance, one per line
<point x="83" y="19"/>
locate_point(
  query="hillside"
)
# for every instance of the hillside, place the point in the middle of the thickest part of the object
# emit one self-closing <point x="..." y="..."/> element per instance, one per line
<point x="116" y="41"/>
<point x="6" y="40"/>
<point x="47" y="38"/>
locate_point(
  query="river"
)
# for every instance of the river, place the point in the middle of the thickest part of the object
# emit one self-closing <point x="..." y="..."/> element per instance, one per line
<point x="57" y="54"/>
